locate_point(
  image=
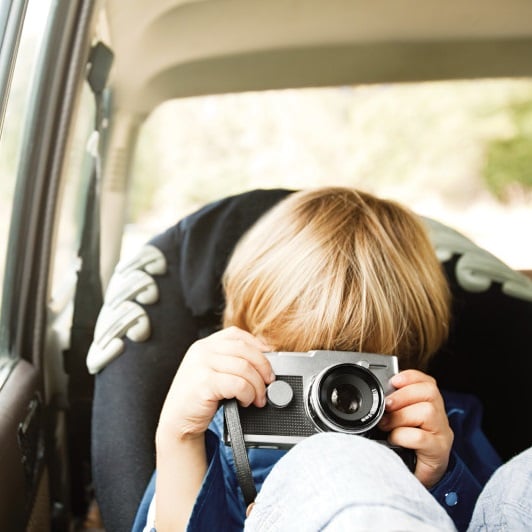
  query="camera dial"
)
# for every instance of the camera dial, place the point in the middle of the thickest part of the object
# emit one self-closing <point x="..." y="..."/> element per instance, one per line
<point x="346" y="398"/>
<point x="279" y="394"/>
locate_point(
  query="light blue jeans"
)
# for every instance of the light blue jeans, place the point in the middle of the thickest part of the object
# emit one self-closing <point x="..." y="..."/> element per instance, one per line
<point x="505" y="503"/>
<point x="310" y="490"/>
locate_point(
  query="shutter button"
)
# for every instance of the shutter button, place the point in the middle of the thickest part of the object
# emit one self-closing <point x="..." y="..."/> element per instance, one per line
<point x="279" y="394"/>
<point x="451" y="498"/>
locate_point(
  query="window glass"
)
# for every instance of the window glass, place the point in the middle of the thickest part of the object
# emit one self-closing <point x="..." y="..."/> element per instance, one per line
<point x="457" y="151"/>
<point x="14" y="120"/>
<point x="71" y="206"/>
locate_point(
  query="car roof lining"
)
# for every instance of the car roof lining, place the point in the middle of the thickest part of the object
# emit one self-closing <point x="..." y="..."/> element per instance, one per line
<point x="344" y="65"/>
<point x="170" y="48"/>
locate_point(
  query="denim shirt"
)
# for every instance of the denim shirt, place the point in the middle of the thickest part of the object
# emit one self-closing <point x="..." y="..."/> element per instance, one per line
<point x="220" y="505"/>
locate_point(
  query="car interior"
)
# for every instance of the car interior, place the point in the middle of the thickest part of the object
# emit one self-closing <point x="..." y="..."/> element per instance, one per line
<point x="90" y="338"/>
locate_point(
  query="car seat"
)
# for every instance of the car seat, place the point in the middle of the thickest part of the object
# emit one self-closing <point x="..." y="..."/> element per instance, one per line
<point x="169" y="295"/>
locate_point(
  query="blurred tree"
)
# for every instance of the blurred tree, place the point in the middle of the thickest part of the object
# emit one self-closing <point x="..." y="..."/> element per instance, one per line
<point x="508" y="164"/>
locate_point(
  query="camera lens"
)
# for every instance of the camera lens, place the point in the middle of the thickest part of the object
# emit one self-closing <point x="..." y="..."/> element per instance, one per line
<point x="346" y="398"/>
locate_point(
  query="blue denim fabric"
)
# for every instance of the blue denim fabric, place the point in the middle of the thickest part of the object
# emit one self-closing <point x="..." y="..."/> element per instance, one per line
<point x="473" y="459"/>
<point x="141" y="518"/>
<point x="505" y="503"/>
<point x="336" y="482"/>
<point x="220" y="506"/>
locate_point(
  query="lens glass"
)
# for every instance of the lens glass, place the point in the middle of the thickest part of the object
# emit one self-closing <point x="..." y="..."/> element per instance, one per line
<point x="346" y="398"/>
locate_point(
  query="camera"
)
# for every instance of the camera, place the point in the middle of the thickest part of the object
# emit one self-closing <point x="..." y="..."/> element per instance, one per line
<point x="320" y="391"/>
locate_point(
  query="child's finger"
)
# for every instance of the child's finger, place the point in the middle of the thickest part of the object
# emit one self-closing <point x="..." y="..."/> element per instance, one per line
<point x="422" y="415"/>
<point x="229" y="386"/>
<point x="243" y="368"/>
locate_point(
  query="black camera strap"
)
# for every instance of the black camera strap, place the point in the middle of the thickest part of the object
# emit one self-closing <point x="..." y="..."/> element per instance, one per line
<point x="240" y="455"/>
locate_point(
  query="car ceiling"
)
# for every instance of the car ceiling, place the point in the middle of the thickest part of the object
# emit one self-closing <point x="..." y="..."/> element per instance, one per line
<point x="177" y="48"/>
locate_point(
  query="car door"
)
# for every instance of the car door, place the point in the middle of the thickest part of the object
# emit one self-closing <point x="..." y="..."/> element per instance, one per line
<point x="43" y="54"/>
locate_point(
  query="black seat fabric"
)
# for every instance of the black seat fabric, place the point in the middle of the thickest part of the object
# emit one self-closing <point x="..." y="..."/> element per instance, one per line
<point x="489" y="353"/>
<point x="130" y="391"/>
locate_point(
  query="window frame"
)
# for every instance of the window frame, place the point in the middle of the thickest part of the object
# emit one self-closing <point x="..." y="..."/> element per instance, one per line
<point x="29" y="353"/>
<point x="11" y="22"/>
<point x="54" y="94"/>
<point x="12" y="16"/>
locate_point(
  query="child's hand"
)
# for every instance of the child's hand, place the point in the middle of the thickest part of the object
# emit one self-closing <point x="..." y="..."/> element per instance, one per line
<point x="416" y="418"/>
<point x="228" y="364"/>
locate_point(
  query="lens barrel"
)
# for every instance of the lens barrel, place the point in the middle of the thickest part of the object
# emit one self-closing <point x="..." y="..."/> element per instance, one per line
<point x="346" y="398"/>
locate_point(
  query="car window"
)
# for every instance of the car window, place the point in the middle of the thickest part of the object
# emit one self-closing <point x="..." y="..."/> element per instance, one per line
<point x="76" y="175"/>
<point x="444" y="148"/>
<point x="17" y="95"/>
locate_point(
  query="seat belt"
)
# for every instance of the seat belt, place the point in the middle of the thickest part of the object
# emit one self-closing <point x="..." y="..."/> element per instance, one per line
<point x="88" y="297"/>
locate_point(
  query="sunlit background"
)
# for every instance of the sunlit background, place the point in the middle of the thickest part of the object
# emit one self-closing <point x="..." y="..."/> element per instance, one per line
<point x="460" y="152"/>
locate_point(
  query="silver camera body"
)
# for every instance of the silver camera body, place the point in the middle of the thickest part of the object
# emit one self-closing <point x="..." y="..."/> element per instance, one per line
<point x="319" y="391"/>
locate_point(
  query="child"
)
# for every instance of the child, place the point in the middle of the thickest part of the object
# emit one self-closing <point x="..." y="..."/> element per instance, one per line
<point x="334" y="269"/>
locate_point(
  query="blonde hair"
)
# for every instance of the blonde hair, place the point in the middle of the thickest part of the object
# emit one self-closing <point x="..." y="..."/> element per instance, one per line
<point x="335" y="268"/>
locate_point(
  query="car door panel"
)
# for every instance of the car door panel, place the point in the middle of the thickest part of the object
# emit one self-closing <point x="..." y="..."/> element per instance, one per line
<point x="21" y="444"/>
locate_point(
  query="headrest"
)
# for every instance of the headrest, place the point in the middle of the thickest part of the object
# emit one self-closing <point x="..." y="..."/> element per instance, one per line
<point x="209" y="237"/>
